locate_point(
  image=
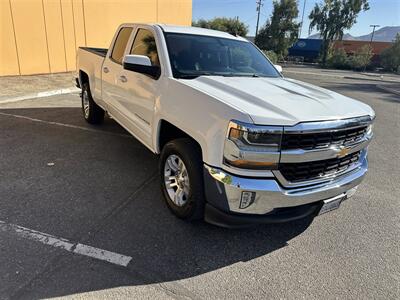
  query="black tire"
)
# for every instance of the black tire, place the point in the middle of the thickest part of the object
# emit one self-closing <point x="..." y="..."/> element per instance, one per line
<point x="190" y="153"/>
<point x="95" y="114"/>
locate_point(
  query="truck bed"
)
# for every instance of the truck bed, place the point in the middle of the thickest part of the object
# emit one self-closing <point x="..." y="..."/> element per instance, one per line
<point x="98" y="51"/>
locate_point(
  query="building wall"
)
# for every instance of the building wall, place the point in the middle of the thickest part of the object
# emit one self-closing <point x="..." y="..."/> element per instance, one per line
<point x="353" y="46"/>
<point x="41" y="36"/>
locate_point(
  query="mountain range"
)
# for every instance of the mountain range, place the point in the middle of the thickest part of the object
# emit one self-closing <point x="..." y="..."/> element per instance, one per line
<point x="384" y="34"/>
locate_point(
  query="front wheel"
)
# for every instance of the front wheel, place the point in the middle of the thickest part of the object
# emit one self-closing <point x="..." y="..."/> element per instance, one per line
<point x="92" y="113"/>
<point x="181" y="173"/>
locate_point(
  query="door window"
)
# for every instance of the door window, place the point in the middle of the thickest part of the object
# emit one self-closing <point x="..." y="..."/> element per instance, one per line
<point x="145" y="44"/>
<point x="120" y="44"/>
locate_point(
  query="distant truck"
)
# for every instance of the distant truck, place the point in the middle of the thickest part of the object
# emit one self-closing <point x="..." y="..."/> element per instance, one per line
<point x="238" y="143"/>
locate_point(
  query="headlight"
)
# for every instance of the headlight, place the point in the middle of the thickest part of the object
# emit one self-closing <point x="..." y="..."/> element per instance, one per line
<point x="249" y="146"/>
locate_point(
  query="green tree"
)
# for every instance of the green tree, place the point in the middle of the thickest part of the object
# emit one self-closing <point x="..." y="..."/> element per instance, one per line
<point x="273" y="57"/>
<point x="281" y="31"/>
<point x="390" y="57"/>
<point x="361" y="58"/>
<point x="230" y="25"/>
<point x="332" y="17"/>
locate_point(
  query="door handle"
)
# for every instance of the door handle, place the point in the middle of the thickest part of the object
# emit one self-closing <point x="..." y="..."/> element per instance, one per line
<point x="106" y="70"/>
<point x="122" y="78"/>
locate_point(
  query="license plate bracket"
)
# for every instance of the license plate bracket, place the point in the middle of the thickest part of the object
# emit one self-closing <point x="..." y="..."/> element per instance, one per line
<point x="331" y="204"/>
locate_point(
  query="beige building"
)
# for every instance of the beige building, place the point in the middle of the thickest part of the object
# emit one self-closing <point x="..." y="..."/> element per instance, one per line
<point x="41" y="36"/>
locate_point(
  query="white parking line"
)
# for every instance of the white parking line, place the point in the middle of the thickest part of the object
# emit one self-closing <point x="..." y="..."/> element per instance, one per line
<point x="111" y="257"/>
<point x="78" y="248"/>
<point x="65" y="125"/>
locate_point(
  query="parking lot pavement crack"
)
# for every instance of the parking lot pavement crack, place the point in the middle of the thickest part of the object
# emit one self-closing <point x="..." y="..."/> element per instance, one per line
<point x="177" y="291"/>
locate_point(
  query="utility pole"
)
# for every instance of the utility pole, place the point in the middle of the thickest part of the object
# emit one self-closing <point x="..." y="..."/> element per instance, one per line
<point x="302" y="18"/>
<point x="236" y="25"/>
<point x="258" y="9"/>
<point x="372" y="38"/>
<point x="373" y="31"/>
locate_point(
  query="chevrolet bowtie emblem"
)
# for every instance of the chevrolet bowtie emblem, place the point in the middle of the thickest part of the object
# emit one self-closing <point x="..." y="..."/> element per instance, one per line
<point x="343" y="152"/>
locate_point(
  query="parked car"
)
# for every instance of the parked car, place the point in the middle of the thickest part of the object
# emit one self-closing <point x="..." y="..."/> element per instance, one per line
<point x="239" y="144"/>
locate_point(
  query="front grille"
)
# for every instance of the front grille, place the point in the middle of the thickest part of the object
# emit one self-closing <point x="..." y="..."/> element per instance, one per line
<point x="310" y="141"/>
<point x="297" y="172"/>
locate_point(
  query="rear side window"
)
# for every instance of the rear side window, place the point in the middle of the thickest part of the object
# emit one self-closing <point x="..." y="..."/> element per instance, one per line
<point x="145" y="44"/>
<point x="120" y="44"/>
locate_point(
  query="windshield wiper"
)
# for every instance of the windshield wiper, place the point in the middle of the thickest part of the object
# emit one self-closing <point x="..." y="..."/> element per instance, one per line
<point x="194" y="75"/>
<point x="255" y="75"/>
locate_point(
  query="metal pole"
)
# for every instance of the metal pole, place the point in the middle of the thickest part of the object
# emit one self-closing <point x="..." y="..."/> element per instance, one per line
<point x="259" y="4"/>
<point x="237" y="25"/>
<point x="372" y="37"/>
<point x="373" y="31"/>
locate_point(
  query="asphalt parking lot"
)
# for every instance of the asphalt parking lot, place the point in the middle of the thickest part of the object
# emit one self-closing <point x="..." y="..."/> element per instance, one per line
<point x="97" y="188"/>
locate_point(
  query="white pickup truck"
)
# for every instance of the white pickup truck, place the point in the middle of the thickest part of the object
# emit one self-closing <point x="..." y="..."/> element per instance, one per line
<point x="239" y="144"/>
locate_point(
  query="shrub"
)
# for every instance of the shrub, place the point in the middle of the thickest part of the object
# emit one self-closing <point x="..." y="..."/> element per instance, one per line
<point x="273" y="57"/>
<point x="337" y="58"/>
<point x="390" y="57"/>
<point x="361" y="58"/>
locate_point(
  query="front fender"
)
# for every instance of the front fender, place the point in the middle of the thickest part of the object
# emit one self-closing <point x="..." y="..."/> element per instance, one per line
<point x="199" y="115"/>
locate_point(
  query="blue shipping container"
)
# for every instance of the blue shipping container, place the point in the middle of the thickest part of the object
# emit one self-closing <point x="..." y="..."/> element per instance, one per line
<point x="307" y="48"/>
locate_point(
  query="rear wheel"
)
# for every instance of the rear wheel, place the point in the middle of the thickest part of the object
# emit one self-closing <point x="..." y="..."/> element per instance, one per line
<point x="181" y="172"/>
<point x="92" y="113"/>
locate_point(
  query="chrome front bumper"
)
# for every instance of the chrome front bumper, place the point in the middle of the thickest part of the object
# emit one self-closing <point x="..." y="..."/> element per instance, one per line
<point x="224" y="190"/>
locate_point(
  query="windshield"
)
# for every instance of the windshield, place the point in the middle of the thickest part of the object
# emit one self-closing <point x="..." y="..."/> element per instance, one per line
<point x="196" y="55"/>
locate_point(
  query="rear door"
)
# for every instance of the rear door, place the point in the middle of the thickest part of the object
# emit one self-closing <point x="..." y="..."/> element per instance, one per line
<point x="112" y="68"/>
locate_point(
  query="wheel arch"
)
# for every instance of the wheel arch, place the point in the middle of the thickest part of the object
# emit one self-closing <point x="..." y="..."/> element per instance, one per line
<point x="83" y="77"/>
<point x="166" y="131"/>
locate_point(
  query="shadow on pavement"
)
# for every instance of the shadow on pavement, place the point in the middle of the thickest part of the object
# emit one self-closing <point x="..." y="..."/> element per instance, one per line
<point x="163" y="248"/>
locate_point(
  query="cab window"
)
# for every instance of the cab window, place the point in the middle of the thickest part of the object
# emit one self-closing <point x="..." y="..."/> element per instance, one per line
<point x="145" y="44"/>
<point x="120" y="44"/>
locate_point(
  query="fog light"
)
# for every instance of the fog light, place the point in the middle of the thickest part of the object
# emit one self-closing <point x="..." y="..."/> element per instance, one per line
<point x="247" y="199"/>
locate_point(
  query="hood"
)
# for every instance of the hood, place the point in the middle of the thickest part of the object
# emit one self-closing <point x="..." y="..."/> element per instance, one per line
<point x="279" y="101"/>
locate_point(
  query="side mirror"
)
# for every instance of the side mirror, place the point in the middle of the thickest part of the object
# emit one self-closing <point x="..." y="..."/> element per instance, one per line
<point x="141" y="64"/>
<point x="278" y="68"/>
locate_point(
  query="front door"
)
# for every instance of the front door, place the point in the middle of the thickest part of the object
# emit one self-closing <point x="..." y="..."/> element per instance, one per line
<point x="139" y="91"/>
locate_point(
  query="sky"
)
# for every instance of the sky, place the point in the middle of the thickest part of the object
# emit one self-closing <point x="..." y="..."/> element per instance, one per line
<point x="381" y="12"/>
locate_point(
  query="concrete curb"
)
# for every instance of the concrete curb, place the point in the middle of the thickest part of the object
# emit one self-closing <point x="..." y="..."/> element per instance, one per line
<point x="369" y="79"/>
<point x="339" y="76"/>
<point x="41" y="95"/>
<point x="312" y="73"/>
<point x="388" y="89"/>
